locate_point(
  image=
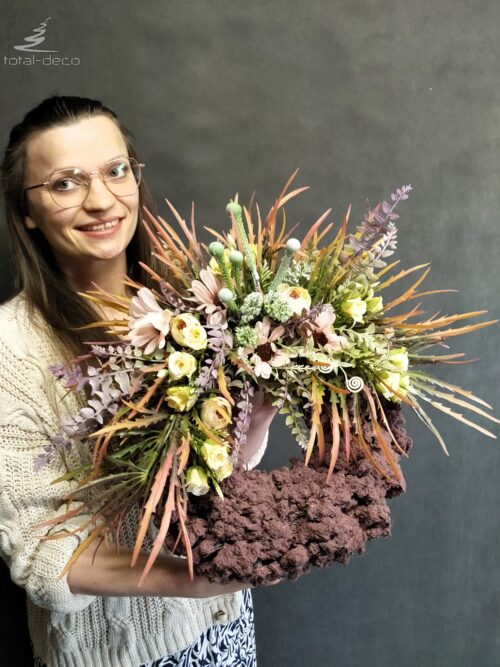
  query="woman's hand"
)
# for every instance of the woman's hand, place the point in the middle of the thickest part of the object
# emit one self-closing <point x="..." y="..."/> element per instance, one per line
<point x="263" y="413"/>
<point x="109" y="573"/>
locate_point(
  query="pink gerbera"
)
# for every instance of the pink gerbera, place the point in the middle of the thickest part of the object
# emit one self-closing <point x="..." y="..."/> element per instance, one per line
<point x="266" y="355"/>
<point x="320" y="329"/>
<point x="149" y="323"/>
<point x="205" y="291"/>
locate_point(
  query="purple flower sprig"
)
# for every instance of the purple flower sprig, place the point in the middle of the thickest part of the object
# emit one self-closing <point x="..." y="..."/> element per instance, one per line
<point x="58" y="444"/>
<point x="216" y="341"/>
<point x="175" y="301"/>
<point x="377" y="224"/>
<point x="109" y="383"/>
<point x="243" y="418"/>
<point x="73" y="377"/>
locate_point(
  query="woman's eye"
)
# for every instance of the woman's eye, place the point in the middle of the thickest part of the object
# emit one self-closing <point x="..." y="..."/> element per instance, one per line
<point x="118" y="171"/>
<point x="66" y="184"/>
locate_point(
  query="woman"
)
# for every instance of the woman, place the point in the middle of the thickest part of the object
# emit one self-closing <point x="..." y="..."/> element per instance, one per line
<point x="65" y="237"/>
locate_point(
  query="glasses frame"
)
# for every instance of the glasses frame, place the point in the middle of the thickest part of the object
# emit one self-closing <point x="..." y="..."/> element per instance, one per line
<point x="89" y="174"/>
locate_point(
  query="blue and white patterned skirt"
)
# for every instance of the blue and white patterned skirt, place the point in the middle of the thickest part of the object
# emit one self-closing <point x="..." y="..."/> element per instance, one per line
<point x="227" y="645"/>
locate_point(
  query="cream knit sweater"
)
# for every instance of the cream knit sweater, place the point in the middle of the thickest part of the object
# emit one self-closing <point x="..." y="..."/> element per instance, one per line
<point x="70" y="630"/>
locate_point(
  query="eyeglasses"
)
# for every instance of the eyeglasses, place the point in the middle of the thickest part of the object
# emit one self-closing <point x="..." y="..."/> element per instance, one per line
<point x="70" y="187"/>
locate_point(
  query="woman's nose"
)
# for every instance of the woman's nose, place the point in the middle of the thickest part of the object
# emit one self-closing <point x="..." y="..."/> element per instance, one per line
<point x="98" y="195"/>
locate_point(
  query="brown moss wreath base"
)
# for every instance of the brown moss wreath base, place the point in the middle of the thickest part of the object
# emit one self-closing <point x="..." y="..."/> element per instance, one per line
<point x="280" y="524"/>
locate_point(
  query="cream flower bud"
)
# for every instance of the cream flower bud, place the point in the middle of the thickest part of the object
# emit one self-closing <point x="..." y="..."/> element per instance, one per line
<point x="196" y="481"/>
<point x="354" y="308"/>
<point x="298" y="298"/>
<point x="186" y="330"/>
<point x="181" y="398"/>
<point x="181" y="364"/>
<point x="216" y="412"/>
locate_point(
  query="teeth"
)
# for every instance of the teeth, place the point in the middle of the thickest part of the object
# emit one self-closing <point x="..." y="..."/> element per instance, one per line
<point x="101" y="227"/>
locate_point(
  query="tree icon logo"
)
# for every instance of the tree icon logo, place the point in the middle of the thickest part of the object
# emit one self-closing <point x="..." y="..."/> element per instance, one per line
<point x="36" y="39"/>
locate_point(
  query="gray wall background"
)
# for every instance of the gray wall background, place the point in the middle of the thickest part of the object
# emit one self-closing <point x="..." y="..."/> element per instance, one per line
<point x="363" y="97"/>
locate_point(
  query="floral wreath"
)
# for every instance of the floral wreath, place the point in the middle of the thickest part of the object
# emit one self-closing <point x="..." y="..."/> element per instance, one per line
<point x="169" y="403"/>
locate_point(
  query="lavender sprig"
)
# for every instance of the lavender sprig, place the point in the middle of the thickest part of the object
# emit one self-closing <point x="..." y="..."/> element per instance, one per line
<point x="242" y="421"/>
<point x="377" y="224"/>
<point x="175" y="301"/>
<point x="216" y="341"/>
<point x="58" y="444"/>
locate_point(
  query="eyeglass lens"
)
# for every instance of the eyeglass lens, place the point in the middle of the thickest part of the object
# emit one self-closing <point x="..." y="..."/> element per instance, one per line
<point x="69" y="187"/>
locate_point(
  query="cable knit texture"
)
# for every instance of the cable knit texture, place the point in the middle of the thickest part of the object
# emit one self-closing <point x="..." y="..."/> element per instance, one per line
<point x="67" y="629"/>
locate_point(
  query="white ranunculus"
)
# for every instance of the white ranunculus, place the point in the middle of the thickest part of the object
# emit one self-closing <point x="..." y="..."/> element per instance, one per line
<point x="400" y="382"/>
<point x="216" y="412"/>
<point x="298" y="298"/>
<point x="186" y="330"/>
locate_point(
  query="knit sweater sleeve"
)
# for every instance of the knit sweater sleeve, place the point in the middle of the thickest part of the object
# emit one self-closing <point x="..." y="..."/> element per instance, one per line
<point x="27" y="498"/>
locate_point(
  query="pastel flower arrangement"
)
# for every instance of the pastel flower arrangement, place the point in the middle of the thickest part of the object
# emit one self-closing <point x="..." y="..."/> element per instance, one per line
<point x="169" y="402"/>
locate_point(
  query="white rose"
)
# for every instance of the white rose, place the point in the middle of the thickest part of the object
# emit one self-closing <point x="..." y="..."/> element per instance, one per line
<point x="216" y="456"/>
<point x="181" y="398"/>
<point x="196" y="481"/>
<point x="181" y="364"/>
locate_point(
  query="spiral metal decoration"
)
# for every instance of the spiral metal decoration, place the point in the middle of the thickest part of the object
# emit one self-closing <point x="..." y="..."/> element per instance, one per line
<point x="355" y="384"/>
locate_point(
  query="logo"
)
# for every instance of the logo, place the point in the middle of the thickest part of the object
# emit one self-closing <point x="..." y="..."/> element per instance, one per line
<point x="30" y="46"/>
<point x="35" y="39"/>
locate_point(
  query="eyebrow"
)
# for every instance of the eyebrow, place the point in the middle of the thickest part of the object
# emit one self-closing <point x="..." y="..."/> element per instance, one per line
<point x="70" y="166"/>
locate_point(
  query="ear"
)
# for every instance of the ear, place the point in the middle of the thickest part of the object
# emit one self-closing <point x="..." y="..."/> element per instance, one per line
<point x="29" y="222"/>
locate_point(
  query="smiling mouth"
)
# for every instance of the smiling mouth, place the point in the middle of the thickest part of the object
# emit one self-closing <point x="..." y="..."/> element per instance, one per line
<point x="101" y="226"/>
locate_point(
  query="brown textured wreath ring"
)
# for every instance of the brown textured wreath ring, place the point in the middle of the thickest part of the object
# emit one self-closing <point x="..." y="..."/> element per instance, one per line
<point x="278" y="524"/>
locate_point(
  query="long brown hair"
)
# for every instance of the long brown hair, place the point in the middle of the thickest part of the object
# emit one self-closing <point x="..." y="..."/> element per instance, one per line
<point x="37" y="273"/>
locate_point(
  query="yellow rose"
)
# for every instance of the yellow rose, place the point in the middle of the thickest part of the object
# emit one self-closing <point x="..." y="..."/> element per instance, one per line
<point x="298" y="298"/>
<point x="181" y="364"/>
<point x="181" y="398"/>
<point x="216" y="412"/>
<point x="196" y="481"/>
<point x="215" y="456"/>
<point x="354" y="308"/>
<point x="186" y="330"/>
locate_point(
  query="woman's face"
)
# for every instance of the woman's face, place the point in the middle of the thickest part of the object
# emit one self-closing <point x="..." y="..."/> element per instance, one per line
<point x="72" y="232"/>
